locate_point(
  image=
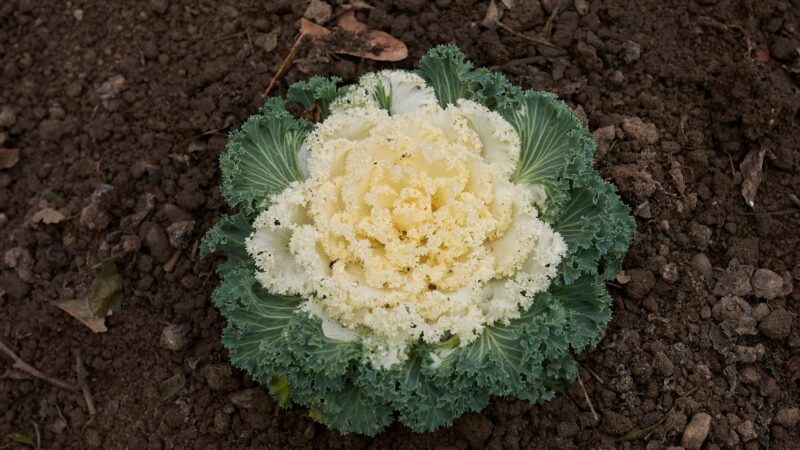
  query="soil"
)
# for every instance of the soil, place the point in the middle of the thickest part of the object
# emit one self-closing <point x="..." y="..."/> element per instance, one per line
<point x="120" y="110"/>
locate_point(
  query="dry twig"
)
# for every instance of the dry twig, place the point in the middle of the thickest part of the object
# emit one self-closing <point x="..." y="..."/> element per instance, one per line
<point x="794" y="200"/>
<point x="173" y="261"/>
<point x="287" y="62"/>
<point x="588" y="401"/>
<point x="548" y="26"/>
<point x="21" y="365"/>
<point x="536" y="40"/>
<point x="84" y="384"/>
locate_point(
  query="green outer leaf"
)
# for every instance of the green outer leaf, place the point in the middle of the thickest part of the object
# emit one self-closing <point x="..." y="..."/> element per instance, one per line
<point x="597" y="228"/>
<point x="256" y="320"/>
<point x="320" y="90"/>
<point x="229" y="236"/>
<point x="555" y="147"/>
<point x="450" y="75"/>
<point x="589" y="310"/>
<point x="262" y="157"/>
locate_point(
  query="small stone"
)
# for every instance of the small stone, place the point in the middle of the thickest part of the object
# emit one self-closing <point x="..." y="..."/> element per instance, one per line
<point x="663" y="364"/>
<point x="749" y="375"/>
<point x="249" y="398"/>
<point x="318" y="11"/>
<point x="696" y="432"/>
<point x="788" y="417"/>
<point x="736" y="316"/>
<point x="634" y="181"/>
<point x="179" y="233"/>
<point x="761" y="311"/>
<point x="650" y="303"/>
<point x="267" y="41"/>
<point x="159" y="6"/>
<point x="770" y="388"/>
<point x="604" y="137"/>
<point x="157" y="241"/>
<point x="746" y="431"/>
<point x="7" y="117"/>
<point x="777" y="325"/>
<point x="670" y="272"/>
<point x="631" y="52"/>
<point x="94" y="217"/>
<point x="702" y="265"/>
<point x="749" y="355"/>
<point x="21" y="260"/>
<point x="703" y="371"/>
<point x="615" y="424"/>
<point x="639" y="130"/>
<point x="222" y="422"/>
<point x="642" y="281"/>
<point x="735" y="280"/>
<point x="220" y="377"/>
<point x="111" y="87"/>
<point x="644" y="211"/>
<point x="176" y="336"/>
<point x="767" y="284"/>
<point x="130" y="243"/>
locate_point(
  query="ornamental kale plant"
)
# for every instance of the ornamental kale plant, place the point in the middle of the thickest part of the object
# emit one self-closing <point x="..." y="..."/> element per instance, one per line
<point x="439" y="237"/>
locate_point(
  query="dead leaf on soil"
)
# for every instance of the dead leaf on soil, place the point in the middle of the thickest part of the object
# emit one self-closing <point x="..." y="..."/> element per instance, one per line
<point x="313" y="113"/>
<point x="392" y="49"/>
<point x="309" y="28"/>
<point x="171" y="386"/>
<point x="103" y="298"/>
<point x="752" y="175"/>
<point x="48" y="216"/>
<point x="492" y="17"/>
<point x="8" y="157"/>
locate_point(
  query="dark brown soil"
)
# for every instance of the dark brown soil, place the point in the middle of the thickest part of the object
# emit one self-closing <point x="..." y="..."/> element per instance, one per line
<point x="130" y="101"/>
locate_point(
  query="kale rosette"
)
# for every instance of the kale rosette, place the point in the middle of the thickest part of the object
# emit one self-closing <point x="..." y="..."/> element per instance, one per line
<point x="437" y="238"/>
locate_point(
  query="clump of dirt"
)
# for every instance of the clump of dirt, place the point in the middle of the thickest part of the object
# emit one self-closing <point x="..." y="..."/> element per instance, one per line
<point x="119" y="112"/>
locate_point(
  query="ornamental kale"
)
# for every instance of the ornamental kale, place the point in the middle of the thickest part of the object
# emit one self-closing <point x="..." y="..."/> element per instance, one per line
<point x="437" y="238"/>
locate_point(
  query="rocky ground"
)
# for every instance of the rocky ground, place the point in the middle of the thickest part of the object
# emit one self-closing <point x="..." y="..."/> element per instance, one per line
<point x="113" y="114"/>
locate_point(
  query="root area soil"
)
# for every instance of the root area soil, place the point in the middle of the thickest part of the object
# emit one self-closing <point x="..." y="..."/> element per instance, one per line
<point x="119" y="111"/>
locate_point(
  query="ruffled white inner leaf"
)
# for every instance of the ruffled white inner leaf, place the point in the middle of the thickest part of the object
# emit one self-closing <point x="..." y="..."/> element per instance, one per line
<point x="407" y="226"/>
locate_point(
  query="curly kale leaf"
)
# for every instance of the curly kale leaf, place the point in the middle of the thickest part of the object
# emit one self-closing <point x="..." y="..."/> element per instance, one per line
<point x="261" y="158"/>
<point x="316" y="90"/>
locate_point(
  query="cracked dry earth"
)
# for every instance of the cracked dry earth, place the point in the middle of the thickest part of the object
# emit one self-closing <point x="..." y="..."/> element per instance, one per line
<point x="119" y="111"/>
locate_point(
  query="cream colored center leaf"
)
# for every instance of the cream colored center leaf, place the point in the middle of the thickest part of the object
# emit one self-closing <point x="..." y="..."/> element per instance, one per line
<point x="407" y="227"/>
